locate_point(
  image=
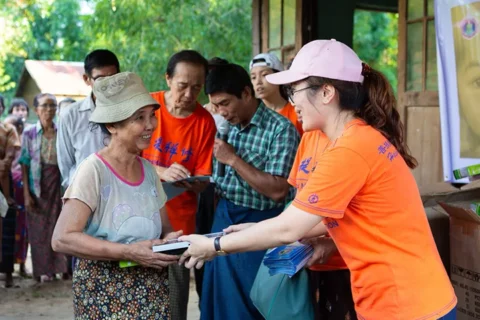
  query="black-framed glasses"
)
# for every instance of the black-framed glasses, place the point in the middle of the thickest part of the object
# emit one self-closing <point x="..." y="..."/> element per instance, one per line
<point x="291" y="92"/>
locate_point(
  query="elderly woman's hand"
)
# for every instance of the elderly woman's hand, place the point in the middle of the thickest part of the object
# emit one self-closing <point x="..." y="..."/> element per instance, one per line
<point x="201" y="249"/>
<point x="174" y="173"/>
<point x="141" y="252"/>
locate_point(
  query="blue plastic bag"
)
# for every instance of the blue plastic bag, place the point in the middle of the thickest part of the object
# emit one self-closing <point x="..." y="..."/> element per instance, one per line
<point x="281" y="297"/>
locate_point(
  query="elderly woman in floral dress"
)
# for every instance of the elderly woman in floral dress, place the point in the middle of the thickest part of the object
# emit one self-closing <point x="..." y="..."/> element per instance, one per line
<point x="114" y="210"/>
<point x="41" y="182"/>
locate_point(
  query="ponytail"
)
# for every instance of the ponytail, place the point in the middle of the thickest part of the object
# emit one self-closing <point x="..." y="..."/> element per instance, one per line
<point x="374" y="102"/>
<point x="380" y="112"/>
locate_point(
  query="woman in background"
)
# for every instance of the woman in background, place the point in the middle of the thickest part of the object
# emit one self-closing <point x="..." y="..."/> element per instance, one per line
<point x="41" y="180"/>
<point x="9" y="144"/>
<point x="21" y="239"/>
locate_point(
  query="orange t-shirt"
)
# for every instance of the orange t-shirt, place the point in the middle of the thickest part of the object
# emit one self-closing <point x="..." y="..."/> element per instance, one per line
<point x="289" y="112"/>
<point x="374" y="213"/>
<point x="186" y="141"/>
<point x="311" y="147"/>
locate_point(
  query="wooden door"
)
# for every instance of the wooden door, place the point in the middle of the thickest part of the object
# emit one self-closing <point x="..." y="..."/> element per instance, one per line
<point x="417" y="87"/>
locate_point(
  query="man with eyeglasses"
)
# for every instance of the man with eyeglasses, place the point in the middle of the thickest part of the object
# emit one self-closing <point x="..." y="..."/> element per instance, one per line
<point x="77" y="139"/>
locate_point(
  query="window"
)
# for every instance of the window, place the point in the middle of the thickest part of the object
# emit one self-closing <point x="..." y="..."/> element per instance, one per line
<point x="421" y="72"/>
<point x="280" y="25"/>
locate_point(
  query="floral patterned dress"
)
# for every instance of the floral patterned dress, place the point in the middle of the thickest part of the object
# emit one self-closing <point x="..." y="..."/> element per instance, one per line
<point x="101" y="289"/>
<point x="122" y="212"/>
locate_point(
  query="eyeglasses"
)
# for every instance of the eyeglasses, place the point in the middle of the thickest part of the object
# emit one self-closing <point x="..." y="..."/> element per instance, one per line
<point x="48" y="105"/>
<point x="291" y="92"/>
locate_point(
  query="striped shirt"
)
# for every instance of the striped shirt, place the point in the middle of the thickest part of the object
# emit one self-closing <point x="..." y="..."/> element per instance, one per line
<point x="269" y="143"/>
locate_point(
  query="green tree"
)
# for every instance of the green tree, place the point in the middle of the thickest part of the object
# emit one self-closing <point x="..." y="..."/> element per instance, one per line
<point x="145" y="33"/>
<point x="41" y="30"/>
<point x="376" y="41"/>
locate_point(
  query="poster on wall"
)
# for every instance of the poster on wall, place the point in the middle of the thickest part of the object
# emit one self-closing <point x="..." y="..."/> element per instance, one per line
<point x="457" y="25"/>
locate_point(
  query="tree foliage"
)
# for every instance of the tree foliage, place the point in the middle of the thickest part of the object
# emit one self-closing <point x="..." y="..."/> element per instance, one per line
<point x="376" y="41"/>
<point x="42" y="30"/>
<point x="145" y="33"/>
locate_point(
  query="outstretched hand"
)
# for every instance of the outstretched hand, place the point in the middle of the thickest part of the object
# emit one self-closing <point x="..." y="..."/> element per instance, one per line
<point x="201" y="249"/>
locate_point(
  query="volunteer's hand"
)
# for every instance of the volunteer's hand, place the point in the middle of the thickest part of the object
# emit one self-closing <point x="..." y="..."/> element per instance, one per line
<point x="201" y="249"/>
<point x="224" y="152"/>
<point x="174" y="172"/>
<point x="323" y="249"/>
<point x="238" y="227"/>
<point x="141" y="252"/>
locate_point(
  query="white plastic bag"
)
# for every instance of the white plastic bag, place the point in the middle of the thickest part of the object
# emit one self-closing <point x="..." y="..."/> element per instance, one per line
<point x="3" y="205"/>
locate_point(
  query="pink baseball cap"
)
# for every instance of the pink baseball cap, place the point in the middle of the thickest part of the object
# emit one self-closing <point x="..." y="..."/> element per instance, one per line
<point x="322" y="58"/>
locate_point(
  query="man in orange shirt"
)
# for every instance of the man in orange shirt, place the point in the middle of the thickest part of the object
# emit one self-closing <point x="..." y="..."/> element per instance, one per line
<point x="182" y="145"/>
<point x="362" y="190"/>
<point x="329" y="276"/>
<point x="273" y="96"/>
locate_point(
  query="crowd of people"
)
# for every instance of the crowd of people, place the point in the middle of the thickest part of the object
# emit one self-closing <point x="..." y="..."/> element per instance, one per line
<point x="85" y="191"/>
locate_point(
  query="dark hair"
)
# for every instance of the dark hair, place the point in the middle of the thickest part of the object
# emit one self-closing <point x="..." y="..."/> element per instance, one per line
<point x="18" y="102"/>
<point x="103" y="127"/>
<point x="230" y="78"/>
<point x="188" y="56"/>
<point x="282" y="89"/>
<point x="374" y="102"/>
<point x="2" y="101"/>
<point x="99" y="59"/>
<point x="41" y="95"/>
<point x="92" y="126"/>
<point x="216" y="61"/>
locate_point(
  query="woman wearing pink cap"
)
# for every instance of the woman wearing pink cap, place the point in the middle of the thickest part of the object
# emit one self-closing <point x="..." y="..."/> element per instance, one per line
<point x="361" y="192"/>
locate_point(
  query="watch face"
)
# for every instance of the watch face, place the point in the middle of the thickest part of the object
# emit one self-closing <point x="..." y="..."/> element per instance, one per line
<point x="221" y="253"/>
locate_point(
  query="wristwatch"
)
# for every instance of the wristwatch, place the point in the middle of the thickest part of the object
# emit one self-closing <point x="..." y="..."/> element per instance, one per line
<point x="219" y="250"/>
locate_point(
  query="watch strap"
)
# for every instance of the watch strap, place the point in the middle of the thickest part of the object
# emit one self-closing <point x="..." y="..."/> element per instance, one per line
<point x="216" y="243"/>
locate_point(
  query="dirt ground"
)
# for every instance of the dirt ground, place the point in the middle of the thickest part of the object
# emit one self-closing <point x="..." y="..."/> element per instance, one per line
<point x="52" y="300"/>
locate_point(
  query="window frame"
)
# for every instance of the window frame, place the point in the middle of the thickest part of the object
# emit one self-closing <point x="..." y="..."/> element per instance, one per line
<point x="285" y="49"/>
<point x="425" y="19"/>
